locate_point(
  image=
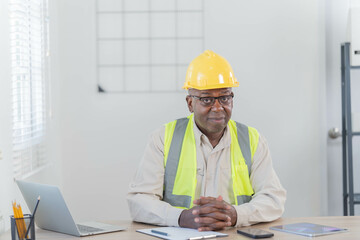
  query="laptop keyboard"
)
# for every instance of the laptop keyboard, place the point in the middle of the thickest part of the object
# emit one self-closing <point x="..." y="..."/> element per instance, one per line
<point x="88" y="229"/>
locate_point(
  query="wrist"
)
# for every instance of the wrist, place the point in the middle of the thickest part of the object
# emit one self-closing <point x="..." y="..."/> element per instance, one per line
<point x="233" y="216"/>
<point x="182" y="218"/>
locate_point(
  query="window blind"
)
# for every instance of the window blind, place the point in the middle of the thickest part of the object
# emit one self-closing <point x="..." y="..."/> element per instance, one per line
<point x="29" y="44"/>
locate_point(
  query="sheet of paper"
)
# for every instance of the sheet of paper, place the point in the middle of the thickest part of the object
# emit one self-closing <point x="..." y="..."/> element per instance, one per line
<point x="177" y="233"/>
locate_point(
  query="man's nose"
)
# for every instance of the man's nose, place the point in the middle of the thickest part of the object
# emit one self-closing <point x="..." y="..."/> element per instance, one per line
<point x="217" y="106"/>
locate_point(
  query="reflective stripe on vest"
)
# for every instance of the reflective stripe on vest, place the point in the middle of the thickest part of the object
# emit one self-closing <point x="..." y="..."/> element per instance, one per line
<point x="180" y="161"/>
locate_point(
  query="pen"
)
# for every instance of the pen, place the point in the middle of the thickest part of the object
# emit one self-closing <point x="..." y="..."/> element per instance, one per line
<point x="159" y="232"/>
<point x="210" y="236"/>
<point x="203" y="237"/>
<point x="33" y="216"/>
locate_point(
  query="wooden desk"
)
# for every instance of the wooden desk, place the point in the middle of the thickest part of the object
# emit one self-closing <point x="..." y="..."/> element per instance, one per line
<point x="351" y="223"/>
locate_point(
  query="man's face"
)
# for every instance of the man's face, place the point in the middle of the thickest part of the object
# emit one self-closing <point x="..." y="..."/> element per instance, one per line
<point x="213" y="118"/>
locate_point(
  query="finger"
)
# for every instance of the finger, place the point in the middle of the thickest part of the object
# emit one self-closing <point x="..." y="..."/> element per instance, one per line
<point x="202" y="229"/>
<point x="220" y="225"/>
<point x="218" y="202"/>
<point x="213" y="217"/>
<point x="227" y="212"/>
<point x="214" y="226"/>
<point x="204" y="200"/>
<point x="206" y="209"/>
<point x="204" y="221"/>
<point x="201" y="202"/>
<point x="211" y="198"/>
<point x="212" y="212"/>
<point x="220" y="205"/>
<point x="219" y="216"/>
<point x="211" y="207"/>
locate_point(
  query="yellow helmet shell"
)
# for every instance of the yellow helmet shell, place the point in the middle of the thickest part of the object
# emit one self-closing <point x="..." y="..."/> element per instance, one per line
<point x="209" y="71"/>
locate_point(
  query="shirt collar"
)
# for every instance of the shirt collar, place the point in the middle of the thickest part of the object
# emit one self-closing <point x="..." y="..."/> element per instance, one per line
<point x="201" y="138"/>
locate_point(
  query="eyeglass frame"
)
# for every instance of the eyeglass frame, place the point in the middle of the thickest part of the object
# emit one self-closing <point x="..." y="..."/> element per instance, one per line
<point x="213" y="99"/>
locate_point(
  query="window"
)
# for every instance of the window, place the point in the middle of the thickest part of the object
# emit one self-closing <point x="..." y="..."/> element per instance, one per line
<point x="29" y="53"/>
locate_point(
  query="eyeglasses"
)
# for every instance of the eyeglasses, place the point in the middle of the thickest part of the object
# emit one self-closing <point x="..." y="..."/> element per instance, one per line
<point x="209" y="101"/>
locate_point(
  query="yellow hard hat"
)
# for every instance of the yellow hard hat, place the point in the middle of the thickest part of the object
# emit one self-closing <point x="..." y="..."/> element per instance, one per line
<point x="209" y="71"/>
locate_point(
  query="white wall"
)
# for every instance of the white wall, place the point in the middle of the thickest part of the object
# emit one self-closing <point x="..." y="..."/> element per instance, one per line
<point x="97" y="140"/>
<point x="275" y="50"/>
<point x="103" y="135"/>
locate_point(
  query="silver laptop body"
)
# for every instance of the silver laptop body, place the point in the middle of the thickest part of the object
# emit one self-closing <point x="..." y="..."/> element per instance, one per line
<point x="53" y="214"/>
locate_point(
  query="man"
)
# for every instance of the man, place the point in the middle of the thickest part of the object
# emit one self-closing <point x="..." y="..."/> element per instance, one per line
<point x="206" y="171"/>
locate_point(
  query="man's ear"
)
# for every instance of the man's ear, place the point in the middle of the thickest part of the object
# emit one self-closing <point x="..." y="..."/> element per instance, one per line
<point x="189" y="101"/>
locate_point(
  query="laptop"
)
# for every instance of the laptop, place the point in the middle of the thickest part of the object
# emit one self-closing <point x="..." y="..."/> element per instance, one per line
<point x="53" y="214"/>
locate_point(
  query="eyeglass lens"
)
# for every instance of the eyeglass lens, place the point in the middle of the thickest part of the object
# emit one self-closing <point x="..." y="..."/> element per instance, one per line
<point x="209" y="101"/>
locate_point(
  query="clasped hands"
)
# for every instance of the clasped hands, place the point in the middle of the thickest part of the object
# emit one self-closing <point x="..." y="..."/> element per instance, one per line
<point x="209" y="214"/>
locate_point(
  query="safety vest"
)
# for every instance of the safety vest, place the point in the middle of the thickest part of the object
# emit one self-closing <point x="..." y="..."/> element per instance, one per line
<point x="180" y="161"/>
